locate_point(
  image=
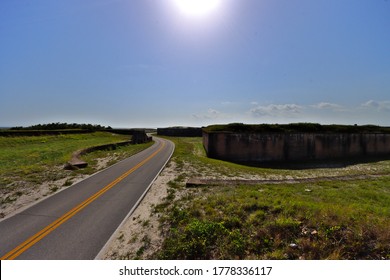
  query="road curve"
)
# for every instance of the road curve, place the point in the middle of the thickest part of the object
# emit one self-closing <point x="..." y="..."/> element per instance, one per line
<point x="76" y="223"/>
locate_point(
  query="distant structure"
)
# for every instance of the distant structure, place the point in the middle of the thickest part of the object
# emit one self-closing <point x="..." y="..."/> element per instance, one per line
<point x="294" y="142"/>
<point x="180" y="131"/>
<point x="140" y="136"/>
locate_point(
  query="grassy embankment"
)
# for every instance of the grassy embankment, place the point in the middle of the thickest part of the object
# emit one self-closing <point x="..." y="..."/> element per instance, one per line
<point x="26" y="162"/>
<point x="314" y="220"/>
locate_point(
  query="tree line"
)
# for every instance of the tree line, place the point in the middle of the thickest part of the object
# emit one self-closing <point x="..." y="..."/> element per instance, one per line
<point x="62" y="126"/>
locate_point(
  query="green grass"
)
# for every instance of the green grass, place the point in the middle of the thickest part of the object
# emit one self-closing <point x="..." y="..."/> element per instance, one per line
<point x="316" y="220"/>
<point x="34" y="159"/>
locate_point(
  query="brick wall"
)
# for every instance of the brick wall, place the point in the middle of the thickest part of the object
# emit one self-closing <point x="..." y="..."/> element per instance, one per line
<point x="268" y="147"/>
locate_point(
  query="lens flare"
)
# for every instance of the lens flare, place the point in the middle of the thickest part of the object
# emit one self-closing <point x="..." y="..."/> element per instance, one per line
<point x="197" y="7"/>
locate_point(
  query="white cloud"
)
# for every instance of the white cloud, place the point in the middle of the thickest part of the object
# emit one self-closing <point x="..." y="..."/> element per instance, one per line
<point x="377" y="105"/>
<point x="211" y="114"/>
<point x="370" y="112"/>
<point x="371" y="104"/>
<point x="277" y="110"/>
<point x="327" y="106"/>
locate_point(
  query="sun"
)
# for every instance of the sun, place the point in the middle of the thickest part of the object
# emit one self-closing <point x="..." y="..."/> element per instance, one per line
<point x="197" y="7"/>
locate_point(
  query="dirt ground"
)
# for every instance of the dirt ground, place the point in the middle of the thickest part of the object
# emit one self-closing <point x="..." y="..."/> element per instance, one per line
<point x="24" y="194"/>
<point x="28" y="194"/>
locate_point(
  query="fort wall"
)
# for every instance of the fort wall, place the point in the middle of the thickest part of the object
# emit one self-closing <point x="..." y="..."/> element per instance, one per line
<point x="269" y="147"/>
<point x="180" y="131"/>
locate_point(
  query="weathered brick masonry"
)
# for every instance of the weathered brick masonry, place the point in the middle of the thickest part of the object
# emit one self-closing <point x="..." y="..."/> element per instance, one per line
<point x="268" y="147"/>
<point x="180" y="131"/>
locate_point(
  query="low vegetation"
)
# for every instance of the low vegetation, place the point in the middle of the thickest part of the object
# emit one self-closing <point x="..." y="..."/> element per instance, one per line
<point x="314" y="220"/>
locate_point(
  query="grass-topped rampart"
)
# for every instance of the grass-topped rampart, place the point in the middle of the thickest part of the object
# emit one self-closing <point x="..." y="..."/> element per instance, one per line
<point x="295" y="128"/>
<point x="295" y="142"/>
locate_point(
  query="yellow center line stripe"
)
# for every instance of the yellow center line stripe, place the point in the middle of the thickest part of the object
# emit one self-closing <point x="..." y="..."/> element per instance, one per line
<point x="42" y="233"/>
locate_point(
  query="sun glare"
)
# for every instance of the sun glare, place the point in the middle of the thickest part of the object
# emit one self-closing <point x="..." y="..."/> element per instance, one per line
<point x="197" y="7"/>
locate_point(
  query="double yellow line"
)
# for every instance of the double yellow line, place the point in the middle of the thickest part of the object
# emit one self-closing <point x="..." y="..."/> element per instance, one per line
<point x="48" y="229"/>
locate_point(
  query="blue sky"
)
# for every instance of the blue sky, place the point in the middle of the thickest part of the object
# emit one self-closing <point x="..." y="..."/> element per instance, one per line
<point x="137" y="63"/>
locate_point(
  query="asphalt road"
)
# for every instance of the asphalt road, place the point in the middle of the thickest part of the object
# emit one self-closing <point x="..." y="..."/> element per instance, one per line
<point x="77" y="222"/>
